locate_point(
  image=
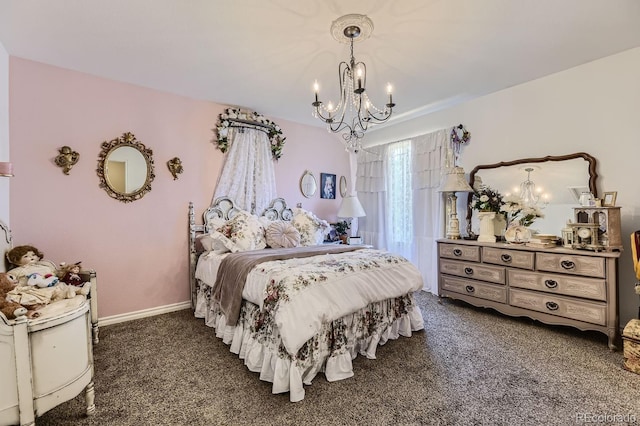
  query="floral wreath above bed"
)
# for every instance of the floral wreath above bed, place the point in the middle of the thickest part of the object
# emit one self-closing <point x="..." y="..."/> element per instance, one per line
<point x="236" y="117"/>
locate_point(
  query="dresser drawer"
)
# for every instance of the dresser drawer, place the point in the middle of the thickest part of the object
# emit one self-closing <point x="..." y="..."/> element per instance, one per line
<point x="571" y="264"/>
<point x="476" y="271"/>
<point x="589" y="288"/>
<point x="591" y="312"/>
<point x="460" y="252"/>
<point x="473" y="288"/>
<point x="506" y="257"/>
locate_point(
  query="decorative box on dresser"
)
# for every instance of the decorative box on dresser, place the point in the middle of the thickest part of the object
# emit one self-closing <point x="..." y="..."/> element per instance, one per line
<point x="560" y="286"/>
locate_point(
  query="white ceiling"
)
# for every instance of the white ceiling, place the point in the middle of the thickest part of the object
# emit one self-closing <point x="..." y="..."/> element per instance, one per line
<point x="265" y="54"/>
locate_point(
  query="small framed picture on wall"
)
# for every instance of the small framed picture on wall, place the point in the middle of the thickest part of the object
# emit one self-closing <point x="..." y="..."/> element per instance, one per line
<point x="327" y="186"/>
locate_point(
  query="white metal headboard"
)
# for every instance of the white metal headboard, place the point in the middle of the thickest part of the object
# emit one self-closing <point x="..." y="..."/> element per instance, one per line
<point x="5" y="244"/>
<point x="224" y="208"/>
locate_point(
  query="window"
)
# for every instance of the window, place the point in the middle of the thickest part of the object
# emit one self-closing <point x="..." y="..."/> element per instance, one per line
<point x="399" y="196"/>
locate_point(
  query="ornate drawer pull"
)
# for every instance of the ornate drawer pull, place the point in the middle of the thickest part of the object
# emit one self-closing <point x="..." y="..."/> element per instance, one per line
<point x="506" y="258"/>
<point x="567" y="264"/>
<point x="470" y="289"/>
<point x="468" y="271"/>
<point x="551" y="283"/>
<point x="552" y="306"/>
<point x="457" y="252"/>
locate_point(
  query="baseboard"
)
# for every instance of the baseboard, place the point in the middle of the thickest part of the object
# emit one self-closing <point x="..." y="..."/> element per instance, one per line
<point x="115" y="319"/>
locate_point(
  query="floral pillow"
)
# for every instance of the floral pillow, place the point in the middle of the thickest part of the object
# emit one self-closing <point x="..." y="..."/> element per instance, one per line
<point x="282" y="234"/>
<point x="312" y="229"/>
<point x="241" y="233"/>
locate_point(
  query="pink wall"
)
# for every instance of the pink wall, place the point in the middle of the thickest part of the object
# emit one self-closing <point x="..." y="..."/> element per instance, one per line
<point x="138" y="249"/>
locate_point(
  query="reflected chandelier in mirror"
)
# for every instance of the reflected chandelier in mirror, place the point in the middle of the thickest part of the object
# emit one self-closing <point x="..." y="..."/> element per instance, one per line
<point x="125" y="168"/>
<point x="563" y="179"/>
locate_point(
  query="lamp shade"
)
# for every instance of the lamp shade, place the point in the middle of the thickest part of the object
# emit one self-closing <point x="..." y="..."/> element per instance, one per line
<point x="6" y="169"/>
<point x="351" y="207"/>
<point x="455" y="182"/>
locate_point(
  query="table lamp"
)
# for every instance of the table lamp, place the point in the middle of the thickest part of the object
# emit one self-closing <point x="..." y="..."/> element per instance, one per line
<point x="454" y="181"/>
<point x="349" y="209"/>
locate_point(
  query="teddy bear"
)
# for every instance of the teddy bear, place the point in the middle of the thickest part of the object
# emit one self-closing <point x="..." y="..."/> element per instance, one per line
<point x="9" y="308"/>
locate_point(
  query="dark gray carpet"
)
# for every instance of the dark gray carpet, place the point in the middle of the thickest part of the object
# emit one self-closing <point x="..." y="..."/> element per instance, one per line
<point x="470" y="366"/>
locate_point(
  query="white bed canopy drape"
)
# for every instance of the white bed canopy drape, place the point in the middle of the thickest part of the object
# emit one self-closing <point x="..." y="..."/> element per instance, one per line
<point x="248" y="174"/>
<point x="398" y="185"/>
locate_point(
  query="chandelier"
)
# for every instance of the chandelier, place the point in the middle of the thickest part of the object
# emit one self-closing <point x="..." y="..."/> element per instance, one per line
<point x="528" y="190"/>
<point x="354" y="111"/>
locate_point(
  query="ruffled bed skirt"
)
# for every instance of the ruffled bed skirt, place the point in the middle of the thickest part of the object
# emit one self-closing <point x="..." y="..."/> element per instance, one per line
<point x="256" y="340"/>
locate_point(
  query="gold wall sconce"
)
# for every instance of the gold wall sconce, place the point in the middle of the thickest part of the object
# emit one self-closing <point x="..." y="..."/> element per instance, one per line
<point x="67" y="159"/>
<point x="175" y="167"/>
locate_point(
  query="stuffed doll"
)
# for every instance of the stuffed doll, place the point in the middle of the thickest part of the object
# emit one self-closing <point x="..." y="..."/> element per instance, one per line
<point x="11" y="309"/>
<point x="27" y="261"/>
<point x="38" y="283"/>
<point x="70" y="275"/>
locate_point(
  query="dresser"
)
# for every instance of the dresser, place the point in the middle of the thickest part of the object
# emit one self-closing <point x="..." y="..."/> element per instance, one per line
<point x="560" y="286"/>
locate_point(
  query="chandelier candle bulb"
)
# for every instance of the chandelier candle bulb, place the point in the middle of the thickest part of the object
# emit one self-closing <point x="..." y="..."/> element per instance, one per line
<point x="316" y="89"/>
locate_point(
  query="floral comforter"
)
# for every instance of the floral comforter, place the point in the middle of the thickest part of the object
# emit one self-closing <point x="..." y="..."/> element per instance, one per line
<point x="316" y="314"/>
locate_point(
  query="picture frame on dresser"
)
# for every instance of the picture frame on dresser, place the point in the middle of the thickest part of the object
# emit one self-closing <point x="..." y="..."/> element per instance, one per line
<point x="609" y="199"/>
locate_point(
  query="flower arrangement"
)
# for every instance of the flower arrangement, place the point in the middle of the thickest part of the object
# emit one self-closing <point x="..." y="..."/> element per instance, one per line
<point x="342" y="227"/>
<point x="487" y="200"/>
<point x="514" y="211"/>
<point x="224" y="123"/>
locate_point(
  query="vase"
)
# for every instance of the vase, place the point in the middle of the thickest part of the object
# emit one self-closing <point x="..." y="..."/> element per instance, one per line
<point x="487" y="227"/>
<point x="500" y="225"/>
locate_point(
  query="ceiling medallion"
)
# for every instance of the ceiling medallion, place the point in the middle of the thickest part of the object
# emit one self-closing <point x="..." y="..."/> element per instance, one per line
<point x="362" y="22"/>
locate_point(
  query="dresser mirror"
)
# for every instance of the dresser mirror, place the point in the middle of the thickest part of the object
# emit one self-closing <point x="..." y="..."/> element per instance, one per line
<point x="125" y="168"/>
<point x="559" y="181"/>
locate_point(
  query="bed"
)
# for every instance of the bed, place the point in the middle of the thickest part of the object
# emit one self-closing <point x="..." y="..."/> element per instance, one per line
<point x="46" y="360"/>
<point x="291" y="307"/>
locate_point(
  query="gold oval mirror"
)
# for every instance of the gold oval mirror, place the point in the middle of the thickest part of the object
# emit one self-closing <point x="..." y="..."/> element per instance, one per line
<point x="125" y="168"/>
<point x="308" y="184"/>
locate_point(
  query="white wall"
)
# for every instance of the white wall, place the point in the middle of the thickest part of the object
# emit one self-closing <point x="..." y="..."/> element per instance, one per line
<point x="592" y="108"/>
<point x="4" y="131"/>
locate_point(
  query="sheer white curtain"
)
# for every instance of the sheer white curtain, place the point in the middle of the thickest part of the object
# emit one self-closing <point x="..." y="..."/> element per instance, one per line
<point x="248" y="175"/>
<point x="398" y="187"/>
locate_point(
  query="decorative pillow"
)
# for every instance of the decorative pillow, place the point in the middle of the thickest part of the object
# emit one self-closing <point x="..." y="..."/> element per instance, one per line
<point x="312" y="229"/>
<point x="244" y="232"/>
<point x="215" y="223"/>
<point x="282" y="234"/>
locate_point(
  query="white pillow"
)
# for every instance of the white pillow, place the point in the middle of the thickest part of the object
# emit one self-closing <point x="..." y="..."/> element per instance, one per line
<point x="220" y="243"/>
<point x="282" y="234"/>
<point x="244" y="232"/>
<point x="312" y="229"/>
<point x="206" y="241"/>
